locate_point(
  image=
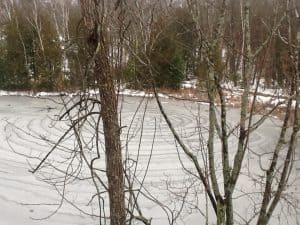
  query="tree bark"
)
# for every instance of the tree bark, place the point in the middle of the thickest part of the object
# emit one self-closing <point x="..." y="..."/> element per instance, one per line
<point x="94" y="17"/>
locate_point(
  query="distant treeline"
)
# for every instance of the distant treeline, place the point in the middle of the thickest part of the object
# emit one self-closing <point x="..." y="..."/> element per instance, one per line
<point x="42" y="45"/>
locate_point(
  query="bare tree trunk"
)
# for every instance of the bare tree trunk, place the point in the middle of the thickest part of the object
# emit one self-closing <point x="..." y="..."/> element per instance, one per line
<point x="273" y="195"/>
<point x="60" y="8"/>
<point x="10" y="10"/>
<point x="112" y="141"/>
<point x="93" y="16"/>
<point x="35" y="22"/>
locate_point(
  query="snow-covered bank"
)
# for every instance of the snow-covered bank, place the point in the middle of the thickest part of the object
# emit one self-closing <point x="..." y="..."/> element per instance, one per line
<point x="33" y="94"/>
<point x="124" y="91"/>
<point x="188" y="91"/>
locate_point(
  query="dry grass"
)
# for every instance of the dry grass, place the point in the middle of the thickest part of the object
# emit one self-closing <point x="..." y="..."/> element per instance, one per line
<point x="232" y="100"/>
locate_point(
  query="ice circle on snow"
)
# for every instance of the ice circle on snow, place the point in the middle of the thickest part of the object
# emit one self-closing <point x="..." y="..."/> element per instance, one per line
<point x="29" y="130"/>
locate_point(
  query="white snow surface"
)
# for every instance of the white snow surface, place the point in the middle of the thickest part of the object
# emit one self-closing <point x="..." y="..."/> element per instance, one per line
<point x="264" y="95"/>
<point x="189" y="84"/>
<point x="122" y="91"/>
<point x="29" y="129"/>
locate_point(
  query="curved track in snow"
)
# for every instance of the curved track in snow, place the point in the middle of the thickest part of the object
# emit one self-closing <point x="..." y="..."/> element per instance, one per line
<point x="28" y="131"/>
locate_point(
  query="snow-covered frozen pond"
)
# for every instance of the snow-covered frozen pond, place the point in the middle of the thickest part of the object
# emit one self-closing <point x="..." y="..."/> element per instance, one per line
<point x="29" y="130"/>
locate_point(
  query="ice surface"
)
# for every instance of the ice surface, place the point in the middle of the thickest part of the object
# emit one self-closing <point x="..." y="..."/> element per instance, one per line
<point x="29" y="129"/>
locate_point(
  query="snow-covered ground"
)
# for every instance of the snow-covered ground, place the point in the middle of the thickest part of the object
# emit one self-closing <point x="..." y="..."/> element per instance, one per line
<point x="264" y="96"/>
<point x="28" y="130"/>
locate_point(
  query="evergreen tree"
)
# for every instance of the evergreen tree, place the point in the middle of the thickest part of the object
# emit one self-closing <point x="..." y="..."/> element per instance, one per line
<point x="173" y="50"/>
<point x="170" y="54"/>
<point x="15" y="74"/>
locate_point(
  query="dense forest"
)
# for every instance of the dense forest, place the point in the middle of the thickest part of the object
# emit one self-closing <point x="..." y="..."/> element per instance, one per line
<point x="43" y="43"/>
<point x="231" y="174"/>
